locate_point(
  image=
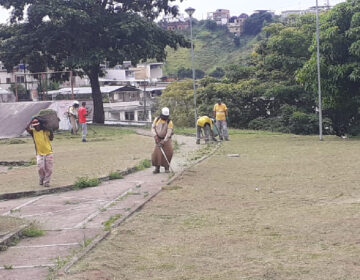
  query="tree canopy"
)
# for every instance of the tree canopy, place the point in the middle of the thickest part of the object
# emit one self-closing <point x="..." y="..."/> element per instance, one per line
<point x="340" y="66"/>
<point x="80" y="35"/>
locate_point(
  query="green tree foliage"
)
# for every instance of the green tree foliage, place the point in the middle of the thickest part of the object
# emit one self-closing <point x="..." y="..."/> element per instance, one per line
<point x="81" y="34"/>
<point x="340" y="66"/>
<point x="179" y="98"/>
<point x="217" y="73"/>
<point x="186" y="73"/>
<point x="255" y="22"/>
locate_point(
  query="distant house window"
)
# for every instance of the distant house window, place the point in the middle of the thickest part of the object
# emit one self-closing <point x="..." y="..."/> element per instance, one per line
<point x="129" y="116"/>
<point x="8" y="80"/>
<point x="20" y="79"/>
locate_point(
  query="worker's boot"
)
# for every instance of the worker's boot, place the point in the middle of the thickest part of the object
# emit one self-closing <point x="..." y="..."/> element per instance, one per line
<point x="167" y="170"/>
<point x="157" y="170"/>
<point x="198" y="141"/>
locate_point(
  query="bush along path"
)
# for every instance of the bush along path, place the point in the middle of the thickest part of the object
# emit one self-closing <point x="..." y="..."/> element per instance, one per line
<point x="73" y="222"/>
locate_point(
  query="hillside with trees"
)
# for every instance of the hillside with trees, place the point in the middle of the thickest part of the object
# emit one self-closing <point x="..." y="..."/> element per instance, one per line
<point x="214" y="48"/>
<point x="275" y="87"/>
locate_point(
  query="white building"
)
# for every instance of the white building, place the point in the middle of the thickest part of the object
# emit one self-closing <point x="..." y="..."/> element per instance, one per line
<point x="20" y="75"/>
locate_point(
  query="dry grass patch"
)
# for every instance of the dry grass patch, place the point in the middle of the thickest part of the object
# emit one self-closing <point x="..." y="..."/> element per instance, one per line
<point x="287" y="208"/>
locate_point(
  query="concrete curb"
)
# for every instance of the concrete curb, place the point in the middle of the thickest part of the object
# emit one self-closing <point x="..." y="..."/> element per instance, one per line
<point x="7" y="196"/>
<point x="8" y="238"/>
<point x="105" y="234"/>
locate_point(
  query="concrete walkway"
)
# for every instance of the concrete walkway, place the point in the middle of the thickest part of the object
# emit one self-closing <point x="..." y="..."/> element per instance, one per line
<point x="76" y="220"/>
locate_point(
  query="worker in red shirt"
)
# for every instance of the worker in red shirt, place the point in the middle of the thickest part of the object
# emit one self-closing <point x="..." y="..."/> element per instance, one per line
<point x="82" y="120"/>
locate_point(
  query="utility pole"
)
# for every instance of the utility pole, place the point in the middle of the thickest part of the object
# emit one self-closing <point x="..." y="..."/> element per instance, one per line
<point x="145" y="117"/>
<point x="318" y="70"/>
<point x="190" y="12"/>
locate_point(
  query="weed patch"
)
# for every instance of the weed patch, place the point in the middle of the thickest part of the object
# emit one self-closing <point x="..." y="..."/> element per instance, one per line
<point x="115" y="175"/>
<point x="60" y="262"/>
<point x="16" y="141"/>
<point x="33" y="231"/>
<point x="85" y="242"/>
<point x="3" y="248"/>
<point x="176" y="145"/>
<point x="31" y="162"/>
<point x="68" y="202"/>
<point x="8" y="266"/>
<point x="198" y="154"/>
<point x="85" y="182"/>
<point x="110" y="221"/>
<point x="143" y="165"/>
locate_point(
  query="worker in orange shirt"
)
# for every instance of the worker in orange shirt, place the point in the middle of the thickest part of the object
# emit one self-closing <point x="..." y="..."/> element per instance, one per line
<point x="221" y="116"/>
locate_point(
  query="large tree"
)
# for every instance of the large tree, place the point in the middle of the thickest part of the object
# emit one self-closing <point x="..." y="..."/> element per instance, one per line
<point x="80" y="35"/>
<point x="340" y="66"/>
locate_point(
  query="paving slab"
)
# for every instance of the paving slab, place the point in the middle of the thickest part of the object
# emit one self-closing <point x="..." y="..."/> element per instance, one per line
<point x="24" y="273"/>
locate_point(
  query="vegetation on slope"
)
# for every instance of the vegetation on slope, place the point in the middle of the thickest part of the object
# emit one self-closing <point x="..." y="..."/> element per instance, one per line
<point x="213" y="47"/>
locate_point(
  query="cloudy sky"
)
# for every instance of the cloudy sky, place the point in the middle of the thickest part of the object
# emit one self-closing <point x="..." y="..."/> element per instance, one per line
<point x="236" y="7"/>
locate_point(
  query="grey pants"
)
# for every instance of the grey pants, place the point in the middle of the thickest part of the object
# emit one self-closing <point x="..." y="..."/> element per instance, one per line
<point x="45" y="167"/>
<point x="206" y="132"/>
<point x="84" y="130"/>
<point x="222" y="128"/>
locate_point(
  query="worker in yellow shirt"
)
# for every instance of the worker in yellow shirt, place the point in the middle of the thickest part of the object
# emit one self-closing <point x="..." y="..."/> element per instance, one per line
<point x="44" y="153"/>
<point x="221" y="116"/>
<point x="205" y="124"/>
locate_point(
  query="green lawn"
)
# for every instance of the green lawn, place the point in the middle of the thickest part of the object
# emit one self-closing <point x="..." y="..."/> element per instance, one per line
<point x="108" y="149"/>
<point x="287" y="208"/>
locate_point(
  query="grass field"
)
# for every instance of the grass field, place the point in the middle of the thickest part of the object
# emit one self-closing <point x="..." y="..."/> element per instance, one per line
<point x="108" y="149"/>
<point x="287" y="208"/>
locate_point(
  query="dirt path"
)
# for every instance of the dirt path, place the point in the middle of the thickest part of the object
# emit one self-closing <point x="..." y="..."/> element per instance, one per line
<point x="77" y="220"/>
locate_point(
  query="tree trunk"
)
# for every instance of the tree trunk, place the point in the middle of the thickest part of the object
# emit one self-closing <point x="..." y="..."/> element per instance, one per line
<point x="98" y="116"/>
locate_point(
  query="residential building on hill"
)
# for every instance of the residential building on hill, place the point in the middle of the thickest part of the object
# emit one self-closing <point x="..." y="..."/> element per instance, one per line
<point x="174" y="23"/>
<point x="221" y="16"/>
<point x="236" y="24"/>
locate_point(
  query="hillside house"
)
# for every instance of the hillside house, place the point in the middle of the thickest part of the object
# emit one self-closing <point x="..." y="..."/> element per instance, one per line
<point x="236" y="24"/>
<point x="221" y="16"/>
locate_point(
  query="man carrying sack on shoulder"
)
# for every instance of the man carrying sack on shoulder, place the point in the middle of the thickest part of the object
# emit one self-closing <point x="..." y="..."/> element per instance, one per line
<point x="44" y="153"/>
<point x="162" y="130"/>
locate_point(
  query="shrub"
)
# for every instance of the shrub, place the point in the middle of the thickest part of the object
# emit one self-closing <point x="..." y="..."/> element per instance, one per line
<point x="303" y="123"/>
<point x="270" y="124"/>
<point x="143" y="165"/>
<point x="33" y="231"/>
<point x="84" y="182"/>
<point x="115" y="175"/>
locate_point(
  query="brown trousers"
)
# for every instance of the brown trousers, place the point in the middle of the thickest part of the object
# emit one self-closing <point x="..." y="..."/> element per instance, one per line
<point x="157" y="157"/>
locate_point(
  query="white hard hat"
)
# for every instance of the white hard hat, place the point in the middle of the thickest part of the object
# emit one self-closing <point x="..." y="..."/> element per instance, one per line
<point x="165" y="111"/>
<point x="76" y="102"/>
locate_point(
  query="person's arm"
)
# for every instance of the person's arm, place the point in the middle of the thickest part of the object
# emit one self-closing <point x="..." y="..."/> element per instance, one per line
<point x="169" y="132"/>
<point x="28" y="129"/>
<point x="51" y="135"/>
<point x="153" y="132"/>
<point x="226" y="113"/>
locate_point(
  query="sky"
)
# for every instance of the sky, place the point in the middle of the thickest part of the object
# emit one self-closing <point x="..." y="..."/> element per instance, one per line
<point x="236" y="7"/>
